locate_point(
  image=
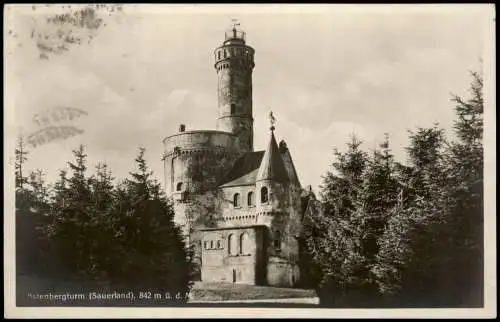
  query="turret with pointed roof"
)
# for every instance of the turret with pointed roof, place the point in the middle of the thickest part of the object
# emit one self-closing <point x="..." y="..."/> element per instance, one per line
<point x="272" y="166"/>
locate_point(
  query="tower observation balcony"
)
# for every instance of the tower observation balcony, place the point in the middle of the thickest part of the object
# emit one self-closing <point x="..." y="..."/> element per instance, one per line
<point x="234" y="35"/>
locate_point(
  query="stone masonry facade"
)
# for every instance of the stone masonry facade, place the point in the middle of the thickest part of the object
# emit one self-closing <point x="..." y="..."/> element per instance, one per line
<point x="241" y="209"/>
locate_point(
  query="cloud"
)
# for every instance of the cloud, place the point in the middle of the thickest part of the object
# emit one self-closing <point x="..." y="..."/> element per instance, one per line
<point x="323" y="75"/>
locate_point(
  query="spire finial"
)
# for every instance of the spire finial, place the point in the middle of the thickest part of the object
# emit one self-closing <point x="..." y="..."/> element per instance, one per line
<point x="235" y="22"/>
<point x="272" y="120"/>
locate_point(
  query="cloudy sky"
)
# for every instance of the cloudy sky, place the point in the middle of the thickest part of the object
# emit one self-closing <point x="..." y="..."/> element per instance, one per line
<point x="325" y="72"/>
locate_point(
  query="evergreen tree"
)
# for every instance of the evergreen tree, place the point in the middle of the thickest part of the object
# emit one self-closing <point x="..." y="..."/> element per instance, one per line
<point x="329" y="235"/>
<point x="407" y="263"/>
<point x="152" y="251"/>
<point x="71" y="217"/>
<point x="465" y="172"/>
<point x="432" y="252"/>
<point x="101" y="221"/>
<point x="23" y="196"/>
<point x="40" y="191"/>
<point x="372" y="210"/>
<point x="21" y="154"/>
<point x="32" y="197"/>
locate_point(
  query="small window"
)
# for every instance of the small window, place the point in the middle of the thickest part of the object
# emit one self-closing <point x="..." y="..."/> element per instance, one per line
<point x="211" y="244"/>
<point x="230" y="244"/>
<point x="233" y="108"/>
<point x="264" y="195"/>
<point x="243" y="243"/>
<point x="218" y="55"/>
<point x="225" y="54"/>
<point x="179" y="186"/>
<point x="250" y="198"/>
<point x="219" y="244"/>
<point x="206" y="245"/>
<point x="277" y="240"/>
<point x="236" y="200"/>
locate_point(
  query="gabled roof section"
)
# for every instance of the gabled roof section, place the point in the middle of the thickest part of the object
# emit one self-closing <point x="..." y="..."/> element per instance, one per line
<point x="244" y="180"/>
<point x="272" y="166"/>
<point x="244" y="171"/>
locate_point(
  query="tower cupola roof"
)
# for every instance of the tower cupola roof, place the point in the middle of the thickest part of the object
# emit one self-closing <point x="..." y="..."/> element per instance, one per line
<point x="234" y="34"/>
<point x="272" y="166"/>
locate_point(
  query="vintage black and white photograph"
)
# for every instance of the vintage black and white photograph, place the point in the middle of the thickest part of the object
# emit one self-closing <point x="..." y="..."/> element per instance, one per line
<point x="263" y="158"/>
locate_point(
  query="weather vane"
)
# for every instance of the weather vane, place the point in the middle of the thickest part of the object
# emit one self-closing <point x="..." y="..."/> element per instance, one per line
<point x="272" y="120"/>
<point x="235" y="22"/>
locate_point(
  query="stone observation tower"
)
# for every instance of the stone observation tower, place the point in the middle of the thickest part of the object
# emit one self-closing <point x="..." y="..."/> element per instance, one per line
<point x="241" y="209"/>
<point x="234" y="62"/>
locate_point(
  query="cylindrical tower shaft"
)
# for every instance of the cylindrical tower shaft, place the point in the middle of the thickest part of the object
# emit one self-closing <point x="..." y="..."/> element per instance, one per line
<point x="234" y="62"/>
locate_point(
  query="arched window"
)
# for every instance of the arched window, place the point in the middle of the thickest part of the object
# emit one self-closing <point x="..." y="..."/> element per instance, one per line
<point x="236" y="200"/>
<point x="233" y="109"/>
<point x="277" y="240"/>
<point x="250" y="198"/>
<point x="243" y="243"/>
<point x="230" y="244"/>
<point x="264" y="195"/>
<point x="179" y="186"/>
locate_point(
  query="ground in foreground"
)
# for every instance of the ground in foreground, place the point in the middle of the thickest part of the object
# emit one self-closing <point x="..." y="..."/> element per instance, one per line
<point x="203" y="291"/>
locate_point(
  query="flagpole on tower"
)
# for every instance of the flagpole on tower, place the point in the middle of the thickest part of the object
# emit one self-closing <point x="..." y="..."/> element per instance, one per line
<point x="235" y="23"/>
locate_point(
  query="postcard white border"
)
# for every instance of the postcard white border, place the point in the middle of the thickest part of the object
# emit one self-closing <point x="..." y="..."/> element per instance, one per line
<point x="489" y="311"/>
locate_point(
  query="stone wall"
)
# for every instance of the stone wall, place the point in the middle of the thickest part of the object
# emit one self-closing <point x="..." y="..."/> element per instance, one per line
<point x="234" y="65"/>
<point x="228" y="257"/>
<point x="243" y="214"/>
<point x="196" y="161"/>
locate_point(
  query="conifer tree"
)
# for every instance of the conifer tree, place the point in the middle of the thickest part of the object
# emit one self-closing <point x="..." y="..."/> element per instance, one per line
<point x="372" y="210"/>
<point x="23" y="196"/>
<point x="101" y="221"/>
<point x="329" y="235"/>
<point x="40" y="191"/>
<point x="21" y="154"/>
<point x="407" y="258"/>
<point x="71" y="217"/>
<point x="431" y="252"/>
<point x="465" y="172"/>
<point x="152" y="252"/>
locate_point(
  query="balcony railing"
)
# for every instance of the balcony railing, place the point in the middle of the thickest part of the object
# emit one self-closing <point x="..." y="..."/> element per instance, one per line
<point x="235" y="34"/>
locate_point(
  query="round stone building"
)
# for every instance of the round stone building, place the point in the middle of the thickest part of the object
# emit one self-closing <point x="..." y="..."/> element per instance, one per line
<point x="241" y="209"/>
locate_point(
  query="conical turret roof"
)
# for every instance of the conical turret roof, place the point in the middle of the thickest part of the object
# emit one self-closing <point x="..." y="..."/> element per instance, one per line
<point x="272" y="166"/>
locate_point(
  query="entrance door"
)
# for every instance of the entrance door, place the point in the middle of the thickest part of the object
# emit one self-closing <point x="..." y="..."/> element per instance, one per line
<point x="234" y="276"/>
